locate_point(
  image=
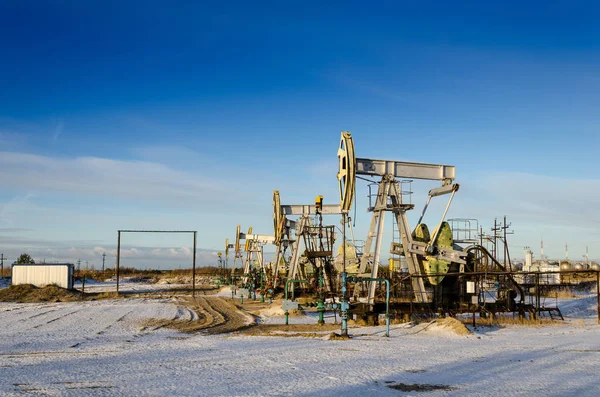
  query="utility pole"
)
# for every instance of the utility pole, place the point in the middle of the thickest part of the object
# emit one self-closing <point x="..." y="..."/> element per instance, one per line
<point x="103" y="258"/>
<point x="78" y="265"/>
<point x="495" y="229"/>
<point x="481" y="235"/>
<point x="2" y="258"/>
<point x="505" y="232"/>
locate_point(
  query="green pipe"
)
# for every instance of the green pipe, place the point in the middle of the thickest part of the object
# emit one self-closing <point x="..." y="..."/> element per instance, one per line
<point x="286" y="295"/>
<point x="387" y="298"/>
<point x="321" y="301"/>
<point x="344" y="304"/>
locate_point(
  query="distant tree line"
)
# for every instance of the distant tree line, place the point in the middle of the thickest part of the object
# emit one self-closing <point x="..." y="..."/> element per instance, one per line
<point x="25" y="259"/>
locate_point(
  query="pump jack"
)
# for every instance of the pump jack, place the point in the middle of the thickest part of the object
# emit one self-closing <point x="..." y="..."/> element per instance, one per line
<point x="418" y="254"/>
<point x="306" y="236"/>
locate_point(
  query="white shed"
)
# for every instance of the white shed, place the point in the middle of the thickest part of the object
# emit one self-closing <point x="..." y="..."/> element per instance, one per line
<point x="43" y="274"/>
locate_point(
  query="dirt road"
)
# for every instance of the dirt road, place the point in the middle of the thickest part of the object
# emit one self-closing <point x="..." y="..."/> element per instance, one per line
<point x="212" y="315"/>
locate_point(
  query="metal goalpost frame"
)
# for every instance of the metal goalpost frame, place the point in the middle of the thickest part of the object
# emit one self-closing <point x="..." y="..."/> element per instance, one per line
<point x="195" y="232"/>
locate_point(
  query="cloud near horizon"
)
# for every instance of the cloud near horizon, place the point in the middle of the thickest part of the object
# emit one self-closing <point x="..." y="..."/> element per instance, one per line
<point x="105" y="177"/>
<point x="141" y="257"/>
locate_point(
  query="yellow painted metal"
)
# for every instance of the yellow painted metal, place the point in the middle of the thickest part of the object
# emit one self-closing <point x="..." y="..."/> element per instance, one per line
<point x="393" y="265"/>
<point x="237" y="239"/>
<point x="350" y="250"/>
<point x="347" y="170"/>
<point x="440" y="266"/>
<point x="319" y="203"/>
<point x="430" y="264"/>
<point x="277" y="226"/>
<point x="247" y="239"/>
<point x="226" y="248"/>
<point x="351" y="268"/>
<point x="421" y="233"/>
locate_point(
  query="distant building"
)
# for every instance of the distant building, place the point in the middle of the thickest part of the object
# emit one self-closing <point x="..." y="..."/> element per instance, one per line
<point x="43" y="274"/>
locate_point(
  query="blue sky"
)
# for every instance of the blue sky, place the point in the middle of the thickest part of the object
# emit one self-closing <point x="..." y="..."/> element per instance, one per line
<point x="187" y="116"/>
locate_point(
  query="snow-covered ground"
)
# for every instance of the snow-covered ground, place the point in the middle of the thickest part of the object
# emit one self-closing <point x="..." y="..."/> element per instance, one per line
<point x="104" y="348"/>
<point x="126" y="286"/>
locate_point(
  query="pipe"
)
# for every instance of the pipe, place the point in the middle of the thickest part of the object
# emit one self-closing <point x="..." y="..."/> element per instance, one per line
<point x="344" y="303"/>
<point x="424" y="210"/>
<point x="344" y="306"/>
<point x="438" y="229"/>
<point x="286" y="295"/>
<point x="387" y="297"/>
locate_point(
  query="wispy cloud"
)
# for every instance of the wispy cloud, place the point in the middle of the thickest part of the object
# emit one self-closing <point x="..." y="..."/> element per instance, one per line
<point x="372" y="88"/>
<point x="58" y="130"/>
<point x="556" y="209"/>
<point x="108" y="178"/>
<point x="11" y="209"/>
<point x="14" y="230"/>
<point x="140" y="257"/>
<point x="166" y="153"/>
<point x="550" y="200"/>
<point x="11" y="140"/>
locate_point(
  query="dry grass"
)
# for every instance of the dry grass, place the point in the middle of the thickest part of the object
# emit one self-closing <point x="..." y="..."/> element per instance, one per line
<point x="562" y="294"/>
<point x="504" y="321"/>
<point x="107" y="295"/>
<point x="578" y="322"/>
<point x="293" y="330"/>
<point x="27" y="293"/>
<point x="336" y="336"/>
<point x="453" y="325"/>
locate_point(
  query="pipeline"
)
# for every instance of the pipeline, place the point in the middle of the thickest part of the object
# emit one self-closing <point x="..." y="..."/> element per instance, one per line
<point x="387" y="300"/>
<point x="287" y="283"/>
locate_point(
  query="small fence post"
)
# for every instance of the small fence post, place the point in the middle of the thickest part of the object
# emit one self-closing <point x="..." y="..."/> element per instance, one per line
<point x="598" y="294"/>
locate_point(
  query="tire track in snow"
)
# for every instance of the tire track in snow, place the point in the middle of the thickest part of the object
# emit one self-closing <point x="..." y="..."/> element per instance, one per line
<point x="38" y="315"/>
<point x="58" y="318"/>
<point x="229" y="317"/>
<point x="207" y="315"/>
<point x="118" y="320"/>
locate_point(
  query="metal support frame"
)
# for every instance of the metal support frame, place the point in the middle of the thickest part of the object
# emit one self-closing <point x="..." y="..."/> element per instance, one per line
<point x="390" y="191"/>
<point x="389" y="198"/>
<point x="401" y="169"/>
<point x="195" y="232"/>
<point x="237" y="250"/>
<point x="305" y="221"/>
<point x="298" y="248"/>
<point x="255" y="243"/>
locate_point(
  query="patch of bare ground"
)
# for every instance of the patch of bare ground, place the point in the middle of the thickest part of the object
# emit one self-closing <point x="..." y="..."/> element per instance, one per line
<point x="293" y="330"/>
<point x="213" y="315"/>
<point x="418" y="387"/>
<point x="335" y="336"/>
<point x="452" y="325"/>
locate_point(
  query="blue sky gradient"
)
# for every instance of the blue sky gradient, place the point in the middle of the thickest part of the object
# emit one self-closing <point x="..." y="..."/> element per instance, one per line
<point x="142" y="115"/>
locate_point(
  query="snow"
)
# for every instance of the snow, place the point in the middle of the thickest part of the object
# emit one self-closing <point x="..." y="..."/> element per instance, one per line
<point x="125" y="286"/>
<point x="103" y="348"/>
